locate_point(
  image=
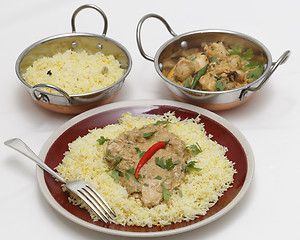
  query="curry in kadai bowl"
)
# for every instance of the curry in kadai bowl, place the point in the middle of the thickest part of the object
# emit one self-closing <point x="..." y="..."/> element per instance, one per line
<point x="214" y="67"/>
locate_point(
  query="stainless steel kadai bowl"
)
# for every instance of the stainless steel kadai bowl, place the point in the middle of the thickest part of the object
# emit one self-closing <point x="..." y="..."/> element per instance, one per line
<point x="215" y="100"/>
<point x="63" y="102"/>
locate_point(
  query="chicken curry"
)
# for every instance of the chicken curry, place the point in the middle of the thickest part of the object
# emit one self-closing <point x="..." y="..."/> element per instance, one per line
<point x="213" y="67"/>
<point x="161" y="174"/>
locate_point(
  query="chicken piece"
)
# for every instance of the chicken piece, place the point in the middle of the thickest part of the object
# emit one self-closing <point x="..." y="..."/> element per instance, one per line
<point x="229" y="64"/>
<point x="151" y="193"/>
<point x="234" y="62"/>
<point x="241" y="76"/>
<point x="222" y="68"/>
<point x="216" y="49"/>
<point x="200" y="62"/>
<point x="188" y="66"/>
<point x="183" y="69"/>
<point x="208" y="81"/>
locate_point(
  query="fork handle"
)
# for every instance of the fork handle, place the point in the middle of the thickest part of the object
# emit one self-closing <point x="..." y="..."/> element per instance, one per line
<point x="21" y="147"/>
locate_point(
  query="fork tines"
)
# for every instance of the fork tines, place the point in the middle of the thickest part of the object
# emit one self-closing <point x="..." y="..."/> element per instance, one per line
<point x="96" y="202"/>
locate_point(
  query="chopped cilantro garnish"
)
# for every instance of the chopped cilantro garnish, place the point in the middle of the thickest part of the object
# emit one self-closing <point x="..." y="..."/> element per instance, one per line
<point x="251" y="65"/>
<point x="138" y="151"/>
<point x="166" y="193"/>
<point x="102" y="140"/>
<point x="214" y="59"/>
<point x="256" y="73"/>
<point x="166" y="164"/>
<point x="116" y="173"/>
<point x="148" y="134"/>
<point x="248" y="54"/>
<point x="237" y="50"/>
<point x="158" y="178"/>
<point x="170" y="165"/>
<point x="118" y="159"/>
<point x="220" y="86"/>
<point x="191" y="167"/>
<point x="161" y="122"/>
<point x="160" y="162"/>
<point x="179" y="192"/>
<point x="195" y="148"/>
<point x="129" y="173"/>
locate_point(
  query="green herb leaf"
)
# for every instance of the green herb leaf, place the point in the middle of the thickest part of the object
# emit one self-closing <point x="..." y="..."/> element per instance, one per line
<point x="256" y="73"/>
<point x="166" y="193"/>
<point x="158" y="178"/>
<point x="187" y="82"/>
<point x="138" y="151"/>
<point x="102" y="140"/>
<point x="166" y="164"/>
<point x="191" y="167"/>
<point x="237" y="50"/>
<point x="161" y="122"/>
<point x="179" y="192"/>
<point x="214" y="59"/>
<point x="170" y="165"/>
<point x="129" y="173"/>
<point x="220" y="86"/>
<point x="148" y="134"/>
<point x="118" y="159"/>
<point x="251" y="65"/>
<point x="160" y="162"/>
<point x="248" y="54"/>
<point x="116" y="174"/>
<point x="195" y="148"/>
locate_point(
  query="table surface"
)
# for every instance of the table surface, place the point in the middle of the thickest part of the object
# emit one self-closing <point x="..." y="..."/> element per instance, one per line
<point x="269" y="121"/>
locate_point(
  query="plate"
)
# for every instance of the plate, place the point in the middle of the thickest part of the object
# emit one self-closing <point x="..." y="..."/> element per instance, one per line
<point x="239" y="152"/>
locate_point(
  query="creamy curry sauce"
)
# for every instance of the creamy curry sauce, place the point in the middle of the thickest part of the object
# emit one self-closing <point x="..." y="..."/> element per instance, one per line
<point x="124" y="153"/>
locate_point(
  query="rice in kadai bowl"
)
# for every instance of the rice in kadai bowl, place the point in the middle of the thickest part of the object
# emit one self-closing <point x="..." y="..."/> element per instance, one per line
<point x="75" y="72"/>
<point x="153" y="170"/>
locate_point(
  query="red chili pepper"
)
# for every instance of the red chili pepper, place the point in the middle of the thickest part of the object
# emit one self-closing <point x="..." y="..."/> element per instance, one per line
<point x="148" y="154"/>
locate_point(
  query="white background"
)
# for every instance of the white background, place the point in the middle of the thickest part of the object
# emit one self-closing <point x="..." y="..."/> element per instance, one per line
<point x="270" y="121"/>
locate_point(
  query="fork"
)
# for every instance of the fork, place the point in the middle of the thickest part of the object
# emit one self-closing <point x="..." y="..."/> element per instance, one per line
<point x="79" y="187"/>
